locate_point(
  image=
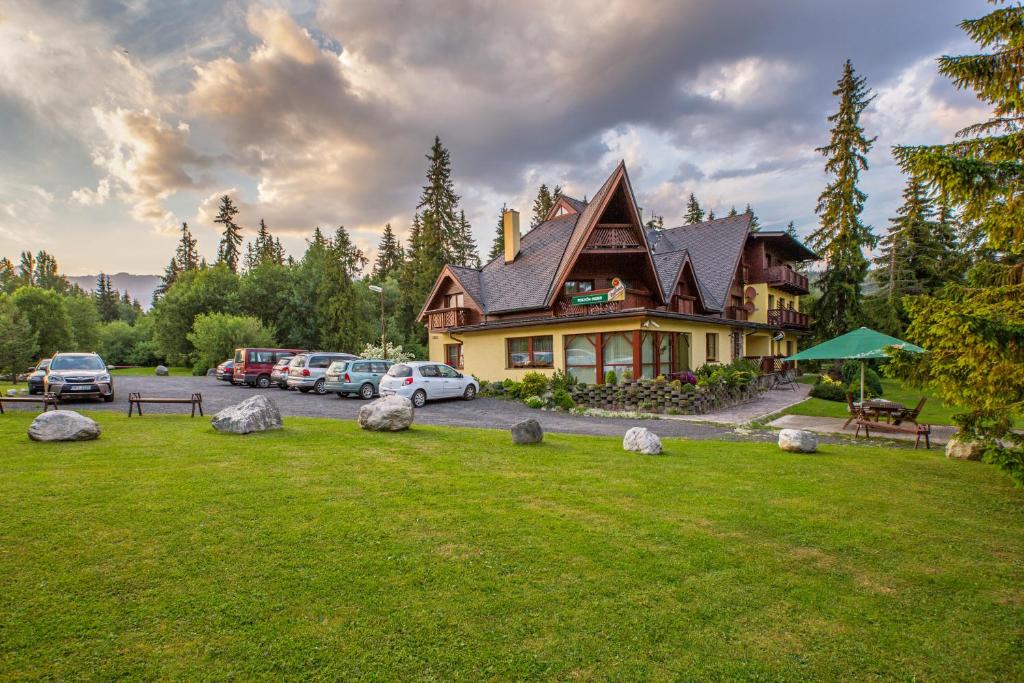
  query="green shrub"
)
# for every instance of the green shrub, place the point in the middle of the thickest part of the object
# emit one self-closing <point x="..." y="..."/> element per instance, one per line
<point x="533" y="402"/>
<point x="872" y="382"/>
<point x="830" y="391"/>
<point x="563" y="400"/>
<point x="611" y="378"/>
<point x="627" y="375"/>
<point x="533" y="384"/>
<point x="512" y="388"/>
<point x="560" y="380"/>
<point x="688" y="388"/>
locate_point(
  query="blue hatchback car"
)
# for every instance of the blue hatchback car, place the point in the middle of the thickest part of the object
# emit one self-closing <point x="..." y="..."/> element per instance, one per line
<point x="360" y="377"/>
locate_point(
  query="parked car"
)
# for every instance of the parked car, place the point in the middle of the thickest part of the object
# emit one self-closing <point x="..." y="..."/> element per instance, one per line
<point x="37" y="376"/>
<point x="253" y="366"/>
<point x="421" y="381"/>
<point x="226" y="371"/>
<point x="361" y="377"/>
<point x="79" y="375"/>
<point x="279" y="375"/>
<point x="307" y="370"/>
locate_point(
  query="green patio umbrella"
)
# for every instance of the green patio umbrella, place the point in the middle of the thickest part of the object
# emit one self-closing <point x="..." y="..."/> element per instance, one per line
<point x="861" y="344"/>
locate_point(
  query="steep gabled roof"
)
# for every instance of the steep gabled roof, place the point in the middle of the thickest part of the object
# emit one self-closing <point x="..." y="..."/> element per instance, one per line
<point x="714" y="249"/>
<point x="589" y="218"/>
<point x="524" y="283"/>
<point x="577" y="204"/>
<point x="468" y="278"/>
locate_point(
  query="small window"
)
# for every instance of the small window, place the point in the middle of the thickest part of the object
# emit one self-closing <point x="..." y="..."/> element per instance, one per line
<point x="360" y="367"/>
<point x="261" y="356"/>
<point x="454" y="300"/>
<point x="445" y="371"/>
<point x="530" y="352"/>
<point x="579" y="286"/>
<point x="320" y="361"/>
<point x="379" y="368"/>
<point x="712" y="342"/>
<point x="453" y="355"/>
<point x="428" y="371"/>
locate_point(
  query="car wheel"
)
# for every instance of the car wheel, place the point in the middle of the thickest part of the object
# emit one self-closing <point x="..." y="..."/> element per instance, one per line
<point x="419" y="399"/>
<point x="109" y="398"/>
<point x="282" y="387"/>
<point x="263" y="382"/>
<point x="341" y="394"/>
<point x="366" y="391"/>
<point x="319" y="387"/>
<point x="470" y="393"/>
<point x="304" y="390"/>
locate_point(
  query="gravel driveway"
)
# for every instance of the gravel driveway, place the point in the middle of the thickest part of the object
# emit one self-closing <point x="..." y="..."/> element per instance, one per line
<point x="483" y="412"/>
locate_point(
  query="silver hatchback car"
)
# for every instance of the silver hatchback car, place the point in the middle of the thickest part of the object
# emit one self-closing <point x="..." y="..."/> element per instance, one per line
<point x="306" y="371"/>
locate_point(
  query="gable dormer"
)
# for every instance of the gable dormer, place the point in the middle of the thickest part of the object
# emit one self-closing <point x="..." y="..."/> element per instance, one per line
<point x="610" y="242"/>
<point x="565" y="206"/>
<point x="453" y="302"/>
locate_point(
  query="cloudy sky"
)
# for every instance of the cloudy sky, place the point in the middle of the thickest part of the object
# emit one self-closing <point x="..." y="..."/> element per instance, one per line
<point x="122" y="119"/>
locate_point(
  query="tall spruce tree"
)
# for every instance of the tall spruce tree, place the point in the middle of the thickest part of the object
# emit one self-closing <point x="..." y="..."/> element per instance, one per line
<point x="229" y="251"/>
<point x="264" y="249"/>
<point x="694" y="214"/>
<point x="733" y="212"/>
<point x="340" y="316"/>
<point x="711" y="215"/>
<point x="187" y="253"/>
<point x="841" y="236"/>
<point x="542" y="205"/>
<point x="973" y="333"/>
<point x="910" y="257"/>
<point x="498" y="245"/>
<point x="466" y="249"/>
<point x="755" y="224"/>
<point x="389" y="255"/>
<point x="107" y="299"/>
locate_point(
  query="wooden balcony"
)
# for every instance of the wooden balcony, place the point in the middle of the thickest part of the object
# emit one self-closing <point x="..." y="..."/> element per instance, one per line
<point x="787" y="317"/>
<point x="443" y="318"/>
<point x="634" y="299"/>
<point x="787" y="279"/>
<point x="737" y="313"/>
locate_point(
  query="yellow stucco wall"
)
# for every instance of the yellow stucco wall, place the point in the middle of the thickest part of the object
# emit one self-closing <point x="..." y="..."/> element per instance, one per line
<point x="761" y="301"/>
<point x="484" y="351"/>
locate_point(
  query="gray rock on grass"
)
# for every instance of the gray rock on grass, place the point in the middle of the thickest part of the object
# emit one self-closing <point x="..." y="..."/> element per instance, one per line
<point x="527" y="431"/>
<point x="63" y="425"/>
<point x="642" y="440"/>
<point x="161" y="371"/>
<point x="798" y="441"/>
<point x="256" y="414"/>
<point x="964" y="450"/>
<point x="387" y="414"/>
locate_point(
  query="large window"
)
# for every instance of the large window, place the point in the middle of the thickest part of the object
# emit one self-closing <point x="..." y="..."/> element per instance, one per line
<point x="581" y="357"/>
<point x="453" y="355"/>
<point x="617" y="352"/>
<point x="530" y="352"/>
<point x="454" y="300"/>
<point x="712" y="347"/>
<point x="578" y="286"/>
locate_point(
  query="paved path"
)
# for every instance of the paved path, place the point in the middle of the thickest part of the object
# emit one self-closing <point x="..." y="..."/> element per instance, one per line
<point x="941" y="434"/>
<point x="768" y="403"/>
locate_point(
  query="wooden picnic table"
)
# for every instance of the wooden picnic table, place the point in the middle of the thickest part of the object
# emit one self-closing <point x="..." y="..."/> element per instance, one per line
<point x="879" y="407"/>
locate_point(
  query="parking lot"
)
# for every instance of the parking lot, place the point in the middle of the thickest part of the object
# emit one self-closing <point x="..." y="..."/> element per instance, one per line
<point x="482" y="412"/>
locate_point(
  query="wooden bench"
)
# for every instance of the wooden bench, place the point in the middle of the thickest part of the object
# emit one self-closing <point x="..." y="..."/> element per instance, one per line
<point x="917" y="430"/>
<point x="48" y="401"/>
<point x="135" y="401"/>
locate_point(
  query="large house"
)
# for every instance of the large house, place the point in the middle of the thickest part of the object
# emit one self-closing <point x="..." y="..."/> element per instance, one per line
<point x="590" y="290"/>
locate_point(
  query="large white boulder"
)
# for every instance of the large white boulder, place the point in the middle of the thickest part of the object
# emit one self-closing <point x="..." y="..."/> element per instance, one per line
<point x="642" y="440"/>
<point x="964" y="450"/>
<point x="527" y="431"/>
<point x="387" y="414"/>
<point x="798" y="441"/>
<point x="256" y="414"/>
<point x="161" y="371"/>
<point x="63" y="425"/>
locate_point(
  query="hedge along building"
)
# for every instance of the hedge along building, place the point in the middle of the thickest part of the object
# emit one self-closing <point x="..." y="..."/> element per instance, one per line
<point x="589" y="291"/>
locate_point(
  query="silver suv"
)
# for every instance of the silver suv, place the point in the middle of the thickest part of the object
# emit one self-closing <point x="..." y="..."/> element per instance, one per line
<point x="306" y="371"/>
<point x="73" y="375"/>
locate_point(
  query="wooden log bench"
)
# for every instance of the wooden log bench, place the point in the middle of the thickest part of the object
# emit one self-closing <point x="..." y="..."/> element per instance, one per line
<point x="135" y="401"/>
<point x="917" y="430"/>
<point x="48" y="401"/>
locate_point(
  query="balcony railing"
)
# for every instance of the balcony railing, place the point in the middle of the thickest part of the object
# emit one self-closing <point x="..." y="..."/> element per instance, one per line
<point x="634" y="299"/>
<point x="442" y="318"/>
<point x="787" y="317"/>
<point x="770" y="364"/>
<point x="737" y="313"/>
<point x="788" y="279"/>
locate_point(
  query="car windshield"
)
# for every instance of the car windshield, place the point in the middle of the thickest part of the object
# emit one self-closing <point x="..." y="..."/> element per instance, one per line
<point x="337" y="367"/>
<point x="77" y="363"/>
<point x="400" y="370"/>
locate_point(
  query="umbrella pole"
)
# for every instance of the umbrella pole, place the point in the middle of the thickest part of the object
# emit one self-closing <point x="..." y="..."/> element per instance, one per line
<point x="862" y="385"/>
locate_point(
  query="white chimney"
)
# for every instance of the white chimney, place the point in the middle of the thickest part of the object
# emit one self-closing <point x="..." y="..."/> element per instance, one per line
<point x="510" y="220"/>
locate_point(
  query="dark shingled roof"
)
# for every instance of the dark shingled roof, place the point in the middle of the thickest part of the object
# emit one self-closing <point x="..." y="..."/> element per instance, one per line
<point x="577" y="204"/>
<point x="667" y="265"/>
<point x="714" y="248"/>
<point x="469" y="278"/>
<point x="525" y="282"/>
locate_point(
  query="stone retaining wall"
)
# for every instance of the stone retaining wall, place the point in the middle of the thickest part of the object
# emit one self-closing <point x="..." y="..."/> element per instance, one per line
<point x="659" y="397"/>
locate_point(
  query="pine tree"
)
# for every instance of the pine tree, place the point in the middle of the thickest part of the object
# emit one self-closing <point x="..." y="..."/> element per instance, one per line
<point x="755" y="224"/>
<point x="229" y="250"/>
<point x="498" y="245"/>
<point x="439" y="207"/>
<point x="466" y="248"/>
<point x="186" y="256"/>
<point x="542" y="204"/>
<point x="389" y="255"/>
<point x="973" y="333"/>
<point x="841" y="237"/>
<point x="694" y="214"/>
<point x="8" y="277"/>
<point x="711" y="214"/>
<point x="264" y="250"/>
<point x="910" y="258"/>
<point x="733" y="212"/>
<point x="340" y="317"/>
<point x="106" y="298"/>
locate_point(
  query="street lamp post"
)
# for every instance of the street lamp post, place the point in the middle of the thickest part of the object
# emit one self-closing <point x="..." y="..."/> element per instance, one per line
<point x="383" y="338"/>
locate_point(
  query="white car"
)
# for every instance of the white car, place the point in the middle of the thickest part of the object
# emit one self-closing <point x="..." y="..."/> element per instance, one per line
<point x="421" y="381"/>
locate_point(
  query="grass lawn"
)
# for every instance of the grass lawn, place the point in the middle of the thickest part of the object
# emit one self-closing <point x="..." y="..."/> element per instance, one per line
<point x="165" y="550"/>
<point x="934" y="412"/>
<point x="147" y="372"/>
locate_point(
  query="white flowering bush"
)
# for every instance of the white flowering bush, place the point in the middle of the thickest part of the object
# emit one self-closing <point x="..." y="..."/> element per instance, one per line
<point x="395" y="353"/>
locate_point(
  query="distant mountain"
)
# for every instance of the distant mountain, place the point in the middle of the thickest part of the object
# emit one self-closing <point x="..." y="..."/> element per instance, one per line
<point x="139" y="287"/>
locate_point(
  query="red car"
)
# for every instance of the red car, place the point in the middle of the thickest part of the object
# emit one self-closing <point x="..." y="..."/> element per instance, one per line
<point x="253" y="366"/>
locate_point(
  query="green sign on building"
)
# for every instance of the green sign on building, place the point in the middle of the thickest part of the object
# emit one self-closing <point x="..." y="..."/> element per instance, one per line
<point x="586" y="299"/>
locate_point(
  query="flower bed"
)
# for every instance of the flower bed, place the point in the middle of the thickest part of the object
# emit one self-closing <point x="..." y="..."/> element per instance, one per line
<point x="661" y="397"/>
